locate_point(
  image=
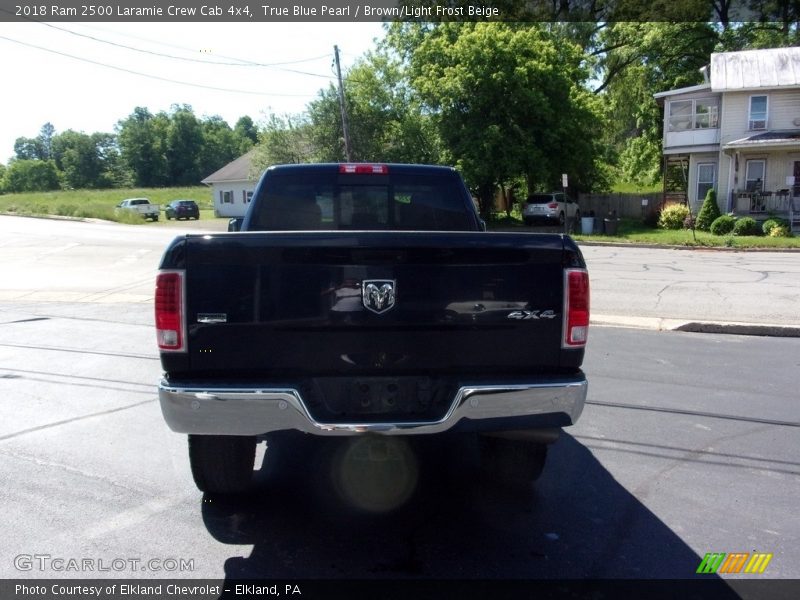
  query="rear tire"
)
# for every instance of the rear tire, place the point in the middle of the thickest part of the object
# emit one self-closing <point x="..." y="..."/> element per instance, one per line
<point x="222" y="464"/>
<point x="512" y="462"/>
<point x="561" y="219"/>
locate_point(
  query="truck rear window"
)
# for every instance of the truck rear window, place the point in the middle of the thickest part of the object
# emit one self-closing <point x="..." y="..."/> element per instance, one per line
<point x="353" y="202"/>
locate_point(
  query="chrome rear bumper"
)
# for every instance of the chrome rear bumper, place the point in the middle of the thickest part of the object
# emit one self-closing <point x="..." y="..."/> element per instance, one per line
<point x="255" y="411"/>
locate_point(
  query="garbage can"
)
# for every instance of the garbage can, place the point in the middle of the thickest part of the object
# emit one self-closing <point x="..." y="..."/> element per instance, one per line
<point x="587" y="225"/>
<point x="611" y="226"/>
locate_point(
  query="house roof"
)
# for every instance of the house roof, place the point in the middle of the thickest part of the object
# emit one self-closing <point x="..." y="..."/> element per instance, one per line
<point x="687" y="90"/>
<point x="768" y="139"/>
<point x="755" y="69"/>
<point x="238" y="170"/>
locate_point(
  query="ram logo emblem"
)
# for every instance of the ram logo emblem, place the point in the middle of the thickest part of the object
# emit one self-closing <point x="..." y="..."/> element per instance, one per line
<point x="378" y="295"/>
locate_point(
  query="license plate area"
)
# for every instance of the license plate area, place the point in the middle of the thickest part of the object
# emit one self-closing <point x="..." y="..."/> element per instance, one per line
<point x="378" y="399"/>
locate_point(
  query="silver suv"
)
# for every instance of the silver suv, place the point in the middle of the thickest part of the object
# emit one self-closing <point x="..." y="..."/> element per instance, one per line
<point x="554" y="207"/>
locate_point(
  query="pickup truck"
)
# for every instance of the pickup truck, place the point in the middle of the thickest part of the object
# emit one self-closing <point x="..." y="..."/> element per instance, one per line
<point x="141" y="206"/>
<point x="368" y="300"/>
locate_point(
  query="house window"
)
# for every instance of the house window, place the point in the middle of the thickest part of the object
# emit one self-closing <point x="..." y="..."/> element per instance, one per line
<point x="693" y="114"/>
<point x="226" y="197"/>
<point x="754" y="175"/>
<point x="247" y="196"/>
<point x="758" y="112"/>
<point x="706" y="178"/>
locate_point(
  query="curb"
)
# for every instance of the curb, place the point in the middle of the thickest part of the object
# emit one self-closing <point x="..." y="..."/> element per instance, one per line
<point x="724" y="327"/>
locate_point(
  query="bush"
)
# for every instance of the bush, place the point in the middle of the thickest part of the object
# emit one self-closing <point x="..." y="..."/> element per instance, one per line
<point x="771" y="224"/>
<point x="780" y="231"/>
<point x="673" y="216"/>
<point x="746" y="226"/>
<point x="690" y="222"/>
<point x="722" y="225"/>
<point x="709" y="212"/>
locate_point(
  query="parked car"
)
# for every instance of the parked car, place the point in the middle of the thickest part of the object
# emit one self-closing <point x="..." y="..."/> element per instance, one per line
<point x="141" y="206"/>
<point x="553" y="207"/>
<point x="182" y="209"/>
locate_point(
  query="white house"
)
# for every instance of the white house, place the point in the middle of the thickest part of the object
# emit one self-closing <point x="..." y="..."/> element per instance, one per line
<point x="738" y="133"/>
<point x="233" y="186"/>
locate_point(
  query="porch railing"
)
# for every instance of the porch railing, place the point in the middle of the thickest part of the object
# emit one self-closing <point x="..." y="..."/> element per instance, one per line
<point x="763" y="202"/>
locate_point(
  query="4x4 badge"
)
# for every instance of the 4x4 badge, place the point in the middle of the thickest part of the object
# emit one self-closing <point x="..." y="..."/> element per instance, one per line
<point x="378" y="295"/>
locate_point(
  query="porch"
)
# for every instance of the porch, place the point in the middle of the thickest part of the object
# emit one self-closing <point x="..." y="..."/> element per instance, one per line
<point x="763" y="205"/>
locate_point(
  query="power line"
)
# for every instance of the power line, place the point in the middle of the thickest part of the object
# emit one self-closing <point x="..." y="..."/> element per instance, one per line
<point x="240" y="63"/>
<point x="156" y="77"/>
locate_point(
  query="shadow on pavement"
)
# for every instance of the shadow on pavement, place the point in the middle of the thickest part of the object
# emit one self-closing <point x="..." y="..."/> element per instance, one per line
<point x="576" y="522"/>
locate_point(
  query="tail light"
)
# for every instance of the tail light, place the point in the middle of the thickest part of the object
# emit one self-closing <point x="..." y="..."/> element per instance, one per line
<point x="363" y="168"/>
<point x="553" y="205"/>
<point x="576" y="308"/>
<point x="170" y="327"/>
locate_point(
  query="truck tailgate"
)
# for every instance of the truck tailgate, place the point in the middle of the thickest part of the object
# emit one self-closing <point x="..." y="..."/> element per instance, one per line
<point x="297" y="304"/>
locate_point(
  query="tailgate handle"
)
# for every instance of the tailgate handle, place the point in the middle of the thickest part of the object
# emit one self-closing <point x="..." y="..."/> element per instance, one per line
<point x="212" y="318"/>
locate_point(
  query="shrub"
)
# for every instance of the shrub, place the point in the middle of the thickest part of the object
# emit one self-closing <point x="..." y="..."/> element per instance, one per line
<point x="780" y="231"/>
<point x="689" y="222"/>
<point x="673" y="216"/>
<point x="723" y="225"/>
<point x="770" y="224"/>
<point x="709" y="212"/>
<point x="746" y="226"/>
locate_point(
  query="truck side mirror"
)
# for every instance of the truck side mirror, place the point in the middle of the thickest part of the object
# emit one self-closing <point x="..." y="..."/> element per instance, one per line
<point x="235" y="224"/>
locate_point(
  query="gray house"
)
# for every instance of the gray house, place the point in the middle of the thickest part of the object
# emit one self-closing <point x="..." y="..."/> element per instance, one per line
<point x="738" y="133"/>
<point x="233" y="186"/>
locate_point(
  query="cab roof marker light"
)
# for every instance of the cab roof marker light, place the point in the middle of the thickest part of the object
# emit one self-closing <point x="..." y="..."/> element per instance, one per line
<point x="363" y="169"/>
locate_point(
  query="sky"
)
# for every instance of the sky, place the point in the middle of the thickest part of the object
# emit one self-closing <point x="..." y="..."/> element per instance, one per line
<point x="61" y="72"/>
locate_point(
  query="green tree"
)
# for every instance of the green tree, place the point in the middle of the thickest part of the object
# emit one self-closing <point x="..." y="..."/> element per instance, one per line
<point x="142" y="143"/>
<point x="31" y="176"/>
<point x="508" y="100"/>
<point x="87" y="161"/>
<point x="184" y="143"/>
<point x="386" y="120"/>
<point x="247" y="132"/>
<point x="29" y="149"/>
<point x="284" y="140"/>
<point x="220" y="145"/>
<point x="708" y="212"/>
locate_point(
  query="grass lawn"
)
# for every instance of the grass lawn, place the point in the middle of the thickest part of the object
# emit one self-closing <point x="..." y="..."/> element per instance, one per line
<point x="99" y="204"/>
<point x="632" y="231"/>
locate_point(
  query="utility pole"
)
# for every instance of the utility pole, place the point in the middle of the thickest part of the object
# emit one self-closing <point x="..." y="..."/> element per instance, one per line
<point x="345" y="128"/>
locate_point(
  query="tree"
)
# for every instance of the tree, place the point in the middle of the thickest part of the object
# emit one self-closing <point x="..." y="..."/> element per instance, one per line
<point x="29" y="149"/>
<point x="31" y="176"/>
<point x="78" y="159"/>
<point x="184" y="142"/>
<point x="708" y="212"/>
<point x="284" y="140"/>
<point x="247" y="132"/>
<point x="220" y="145"/>
<point x="508" y="100"/>
<point x="387" y="123"/>
<point x="142" y="143"/>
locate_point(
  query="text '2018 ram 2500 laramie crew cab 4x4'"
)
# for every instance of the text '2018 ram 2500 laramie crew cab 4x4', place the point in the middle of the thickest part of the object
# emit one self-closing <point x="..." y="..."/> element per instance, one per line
<point x="368" y="300"/>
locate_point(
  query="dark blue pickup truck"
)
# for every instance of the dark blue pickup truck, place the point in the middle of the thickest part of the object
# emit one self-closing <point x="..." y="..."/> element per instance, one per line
<point x="368" y="300"/>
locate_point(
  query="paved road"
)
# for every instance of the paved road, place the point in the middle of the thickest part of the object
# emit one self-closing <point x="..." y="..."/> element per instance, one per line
<point x="688" y="445"/>
<point x="85" y="262"/>
<point x="752" y="287"/>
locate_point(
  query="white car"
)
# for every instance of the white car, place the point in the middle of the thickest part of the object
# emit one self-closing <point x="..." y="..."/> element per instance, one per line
<point x="141" y="206"/>
<point x="554" y="207"/>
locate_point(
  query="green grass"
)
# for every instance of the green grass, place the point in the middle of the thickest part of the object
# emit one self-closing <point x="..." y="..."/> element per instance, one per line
<point x="99" y="204"/>
<point x="632" y="188"/>
<point x="631" y="231"/>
